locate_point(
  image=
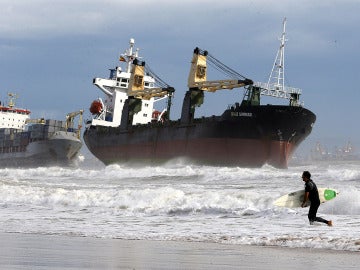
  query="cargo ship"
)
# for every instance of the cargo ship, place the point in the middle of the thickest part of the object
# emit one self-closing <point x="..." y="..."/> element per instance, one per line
<point x="126" y="127"/>
<point x="323" y="153"/>
<point x="26" y="142"/>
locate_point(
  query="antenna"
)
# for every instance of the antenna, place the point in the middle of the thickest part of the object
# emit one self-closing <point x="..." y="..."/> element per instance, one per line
<point x="11" y="99"/>
<point x="277" y="75"/>
<point x="275" y="86"/>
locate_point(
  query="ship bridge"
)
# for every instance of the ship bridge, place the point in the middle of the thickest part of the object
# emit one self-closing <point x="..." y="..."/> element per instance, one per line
<point x="13" y="117"/>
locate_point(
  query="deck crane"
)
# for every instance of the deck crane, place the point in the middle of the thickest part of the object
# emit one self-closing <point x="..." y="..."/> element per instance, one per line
<point x="198" y="71"/>
<point x="138" y="91"/>
<point x="70" y="121"/>
<point x="137" y="86"/>
<point x="198" y="83"/>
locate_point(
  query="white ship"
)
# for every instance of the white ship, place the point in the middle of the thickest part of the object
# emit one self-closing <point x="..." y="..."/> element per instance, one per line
<point x="26" y="142"/>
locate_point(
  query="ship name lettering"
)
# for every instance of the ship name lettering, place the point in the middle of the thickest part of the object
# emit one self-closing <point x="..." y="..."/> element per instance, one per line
<point x="241" y="114"/>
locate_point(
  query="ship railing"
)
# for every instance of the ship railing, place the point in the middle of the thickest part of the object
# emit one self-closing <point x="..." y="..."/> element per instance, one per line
<point x="276" y="90"/>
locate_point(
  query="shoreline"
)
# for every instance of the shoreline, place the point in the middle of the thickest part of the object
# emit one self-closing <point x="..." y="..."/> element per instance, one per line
<point x="37" y="251"/>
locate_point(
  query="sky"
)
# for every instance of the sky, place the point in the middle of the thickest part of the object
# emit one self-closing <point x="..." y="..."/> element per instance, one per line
<point x="51" y="50"/>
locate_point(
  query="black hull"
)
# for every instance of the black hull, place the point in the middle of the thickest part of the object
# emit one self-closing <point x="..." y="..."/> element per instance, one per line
<point x="248" y="136"/>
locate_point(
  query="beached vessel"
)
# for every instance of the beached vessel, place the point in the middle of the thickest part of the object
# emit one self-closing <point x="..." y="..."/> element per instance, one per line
<point x="127" y="128"/>
<point x="26" y="142"/>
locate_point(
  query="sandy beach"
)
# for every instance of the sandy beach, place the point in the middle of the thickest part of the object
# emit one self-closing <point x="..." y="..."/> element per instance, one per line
<point x="31" y="251"/>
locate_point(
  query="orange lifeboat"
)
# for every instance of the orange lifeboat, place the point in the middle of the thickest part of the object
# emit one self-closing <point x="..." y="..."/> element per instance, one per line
<point x="155" y="115"/>
<point x="96" y="107"/>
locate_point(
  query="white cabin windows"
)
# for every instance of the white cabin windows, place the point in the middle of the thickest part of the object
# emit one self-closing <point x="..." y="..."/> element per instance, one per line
<point x="124" y="82"/>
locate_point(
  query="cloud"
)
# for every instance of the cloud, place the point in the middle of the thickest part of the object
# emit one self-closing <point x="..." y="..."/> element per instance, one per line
<point x="35" y="19"/>
<point x="46" y="19"/>
<point x="249" y="19"/>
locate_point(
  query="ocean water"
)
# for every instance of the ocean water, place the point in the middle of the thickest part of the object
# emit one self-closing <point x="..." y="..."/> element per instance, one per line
<point x="182" y="202"/>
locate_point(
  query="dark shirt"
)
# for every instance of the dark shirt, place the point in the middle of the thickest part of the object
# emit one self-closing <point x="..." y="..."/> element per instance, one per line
<point x="313" y="192"/>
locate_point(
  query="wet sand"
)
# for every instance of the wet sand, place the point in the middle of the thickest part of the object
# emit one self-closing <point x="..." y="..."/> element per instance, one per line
<point x="31" y="251"/>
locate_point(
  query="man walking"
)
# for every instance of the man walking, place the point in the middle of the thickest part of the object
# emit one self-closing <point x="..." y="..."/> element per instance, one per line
<point x="312" y="194"/>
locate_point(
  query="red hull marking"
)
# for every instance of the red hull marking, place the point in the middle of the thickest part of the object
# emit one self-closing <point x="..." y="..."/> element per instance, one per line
<point x="218" y="151"/>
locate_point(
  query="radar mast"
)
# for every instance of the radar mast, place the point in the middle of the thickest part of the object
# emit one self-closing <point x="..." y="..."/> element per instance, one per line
<point x="275" y="86"/>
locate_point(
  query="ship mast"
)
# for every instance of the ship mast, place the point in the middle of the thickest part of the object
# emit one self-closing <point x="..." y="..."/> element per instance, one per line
<point x="277" y="75"/>
<point x="129" y="55"/>
<point x="11" y="98"/>
<point x="275" y="86"/>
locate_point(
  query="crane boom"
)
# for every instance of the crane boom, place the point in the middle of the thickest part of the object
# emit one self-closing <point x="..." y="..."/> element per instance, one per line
<point x="198" y="75"/>
<point x="213" y="86"/>
<point x="136" y="84"/>
<point x="70" y="121"/>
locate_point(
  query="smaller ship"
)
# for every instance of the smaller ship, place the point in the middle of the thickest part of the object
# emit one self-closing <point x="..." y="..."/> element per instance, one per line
<point x="344" y="153"/>
<point x="26" y="142"/>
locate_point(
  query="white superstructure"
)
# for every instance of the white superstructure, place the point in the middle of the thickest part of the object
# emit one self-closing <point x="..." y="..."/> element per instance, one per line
<point x="11" y="117"/>
<point x="108" y="112"/>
